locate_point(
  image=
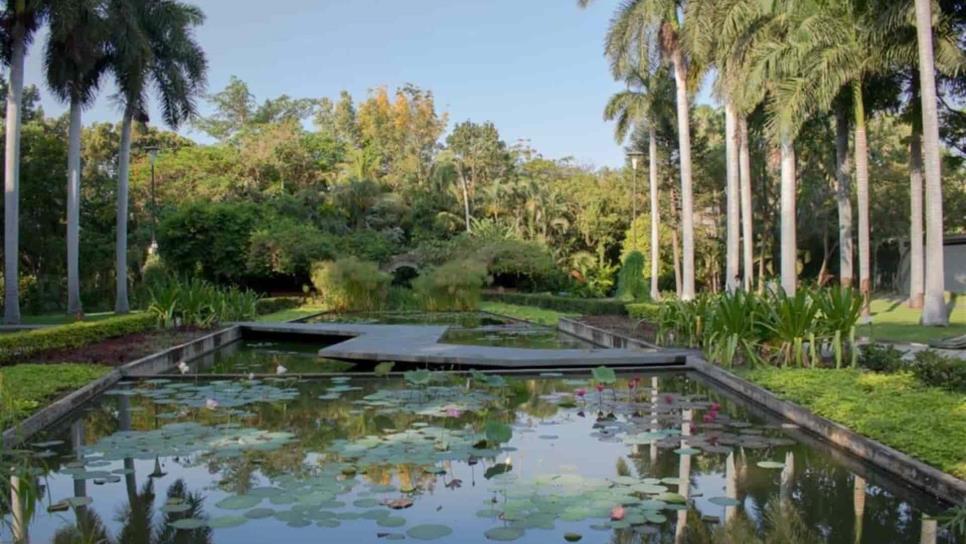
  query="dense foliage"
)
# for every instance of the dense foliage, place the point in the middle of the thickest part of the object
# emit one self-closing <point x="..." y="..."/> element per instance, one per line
<point x="630" y="281"/>
<point x="199" y="303"/>
<point x="351" y="284"/>
<point x="454" y="286"/>
<point x="567" y="304"/>
<point x="26" y="387"/>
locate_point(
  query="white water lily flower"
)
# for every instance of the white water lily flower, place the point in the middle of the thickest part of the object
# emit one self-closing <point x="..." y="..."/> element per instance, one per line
<point x="183" y="367"/>
<point x="279" y="370"/>
<point x="211" y="404"/>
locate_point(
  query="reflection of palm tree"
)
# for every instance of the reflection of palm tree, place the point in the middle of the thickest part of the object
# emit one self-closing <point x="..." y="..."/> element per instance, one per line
<point x="167" y="534"/>
<point x="684" y="475"/>
<point x="858" y="503"/>
<point x="138" y="515"/>
<point x="89" y="529"/>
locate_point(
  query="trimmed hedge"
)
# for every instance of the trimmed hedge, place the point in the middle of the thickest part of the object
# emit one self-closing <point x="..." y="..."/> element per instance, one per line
<point x="271" y="305"/>
<point x="15" y="347"/>
<point x="647" y="311"/>
<point x="584" y="306"/>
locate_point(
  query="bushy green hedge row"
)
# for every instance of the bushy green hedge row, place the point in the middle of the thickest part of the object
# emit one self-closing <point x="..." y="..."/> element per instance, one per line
<point x="452" y="287"/>
<point x="585" y="306"/>
<point x="16" y="347"/>
<point x="270" y="305"/>
<point x="646" y="311"/>
<point x="930" y="367"/>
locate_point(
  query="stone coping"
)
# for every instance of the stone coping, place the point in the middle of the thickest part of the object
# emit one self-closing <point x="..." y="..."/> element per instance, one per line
<point x="603" y="337"/>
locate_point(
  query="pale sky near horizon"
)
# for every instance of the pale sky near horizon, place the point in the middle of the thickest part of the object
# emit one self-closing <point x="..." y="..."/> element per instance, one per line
<point x="533" y="67"/>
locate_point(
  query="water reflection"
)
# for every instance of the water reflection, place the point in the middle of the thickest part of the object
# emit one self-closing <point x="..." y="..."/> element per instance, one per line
<point x="375" y="457"/>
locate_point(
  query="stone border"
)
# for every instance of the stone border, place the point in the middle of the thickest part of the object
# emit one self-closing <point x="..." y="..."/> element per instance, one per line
<point x="153" y="364"/>
<point x="602" y="337"/>
<point x="900" y="465"/>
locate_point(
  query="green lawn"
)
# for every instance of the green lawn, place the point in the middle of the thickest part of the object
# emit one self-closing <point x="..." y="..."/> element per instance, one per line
<point x="63" y="319"/>
<point x="895" y="409"/>
<point x="894" y="321"/>
<point x="26" y="387"/>
<point x="529" y="313"/>
<point x="292" y="313"/>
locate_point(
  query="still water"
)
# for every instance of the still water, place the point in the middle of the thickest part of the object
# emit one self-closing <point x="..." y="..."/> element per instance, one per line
<point x="453" y="458"/>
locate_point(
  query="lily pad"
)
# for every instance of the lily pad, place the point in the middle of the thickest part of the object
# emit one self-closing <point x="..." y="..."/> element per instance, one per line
<point x="225" y="522"/>
<point x="188" y="524"/>
<point x="771" y="464"/>
<point x="573" y="537"/>
<point x="429" y="531"/>
<point x="238" y="502"/>
<point x="503" y="534"/>
<point x="724" y="501"/>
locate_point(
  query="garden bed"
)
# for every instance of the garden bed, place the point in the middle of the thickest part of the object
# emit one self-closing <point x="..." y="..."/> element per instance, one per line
<point x="123" y="349"/>
<point x="622" y="325"/>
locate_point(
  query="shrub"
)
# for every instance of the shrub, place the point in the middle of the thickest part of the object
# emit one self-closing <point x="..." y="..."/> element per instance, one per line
<point x="15" y="347"/>
<point x="270" y="305"/>
<point x="518" y="263"/>
<point x="367" y="245"/>
<point x="593" y="274"/>
<point x="285" y="247"/>
<point x="454" y="286"/>
<point x="644" y="311"/>
<point x="630" y="281"/>
<point x="880" y="358"/>
<point x="208" y="239"/>
<point x="937" y="370"/>
<point x="351" y="284"/>
<point x="584" y="306"/>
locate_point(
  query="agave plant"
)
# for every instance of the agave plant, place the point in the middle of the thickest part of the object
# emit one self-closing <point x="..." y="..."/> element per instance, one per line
<point x="792" y="320"/>
<point x="735" y="329"/>
<point x="841" y="308"/>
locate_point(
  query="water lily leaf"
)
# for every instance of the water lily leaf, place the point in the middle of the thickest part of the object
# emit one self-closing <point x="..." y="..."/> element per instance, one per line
<point x="573" y="537"/>
<point x="383" y="368"/>
<point x="238" y="502"/>
<point x="771" y="464"/>
<point x="175" y="508"/>
<point x="724" y="501"/>
<point x="497" y="432"/>
<point x="503" y="534"/>
<point x="188" y="524"/>
<point x="391" y="521"/>
<point x="259" y="513"/>
<point x="429" y="531"/>
<point x="604" y="375"/>
<point x="77" y="502"/>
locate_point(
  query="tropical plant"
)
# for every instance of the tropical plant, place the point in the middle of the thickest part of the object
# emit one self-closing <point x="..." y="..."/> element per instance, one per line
<point x="792" y="321"/>
<point x="454" y="286"/>
<point x="594" y="275"/>
<point x="75" y="58"/>
<point x="630" y="281"/>
<point x="152" y="44"/>
<point x="735" y="328"/>
<point x="840" y="311"/>
<point x="350" y="284"/>
<point x="196" y="302"/>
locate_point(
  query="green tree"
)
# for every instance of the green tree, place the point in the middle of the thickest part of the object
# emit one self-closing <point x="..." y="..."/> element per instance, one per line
<point x="152" y="44"/>
<point x="480" y="157"/>
<point x="75" y="59"/>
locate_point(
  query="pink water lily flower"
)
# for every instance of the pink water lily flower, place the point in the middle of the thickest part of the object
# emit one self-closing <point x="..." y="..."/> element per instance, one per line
<point x="580" y="392"/>
<point x="617" y="513"/>
<point x="211" y="404"/>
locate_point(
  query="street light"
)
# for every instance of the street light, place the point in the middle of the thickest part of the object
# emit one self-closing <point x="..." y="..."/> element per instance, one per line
<point x="152" y="151"/>
<point x="635" y="157"/>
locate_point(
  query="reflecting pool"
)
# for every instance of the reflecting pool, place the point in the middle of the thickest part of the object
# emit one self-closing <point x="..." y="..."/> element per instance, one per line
<point x="452" y="458"/>
<point x="468" y="320"/>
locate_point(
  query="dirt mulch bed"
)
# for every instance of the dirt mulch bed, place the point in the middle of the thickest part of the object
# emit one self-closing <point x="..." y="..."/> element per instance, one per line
<point x="621" y="324"/>
<point x="123" y="349"/>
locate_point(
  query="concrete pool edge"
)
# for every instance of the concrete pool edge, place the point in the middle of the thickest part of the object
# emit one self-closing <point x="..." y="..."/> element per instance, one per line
<point x="901" y="465"/>
<point x="151" y="365"/>
<point x="601" y="337"/>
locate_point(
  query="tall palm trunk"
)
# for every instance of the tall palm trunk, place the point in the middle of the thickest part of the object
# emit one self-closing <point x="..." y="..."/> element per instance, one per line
<point x="916" y="261"/>
<point x="655" y="212"/>
<point x="676" y="242"/>
<point x="733" y="219"/>
<point x="789" y="244"/>
<point x="843" y="196"/>
<point x="74" y="306"/>
<point x="11" y="196"/>
<point x="862" y="196"/>
<point x="466" y="199"/>
<point x="747" y="225"/>
<point x="934" y="303"/>
<point x="121" y="305"/>
<point x="684" y="153"/>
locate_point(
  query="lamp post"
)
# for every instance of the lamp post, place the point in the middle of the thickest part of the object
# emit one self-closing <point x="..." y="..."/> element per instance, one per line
<point x="152" y="151"/>
<point x="635" y="157"/>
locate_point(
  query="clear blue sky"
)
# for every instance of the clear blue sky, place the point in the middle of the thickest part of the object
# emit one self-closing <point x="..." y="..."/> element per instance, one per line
<point x="533" y="67"/>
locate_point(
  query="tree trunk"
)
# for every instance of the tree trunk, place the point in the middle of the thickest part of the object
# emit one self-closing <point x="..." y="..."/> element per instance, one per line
<point x="747" y="225"/>
<point x="934" y="303"/>
<point x="789" y="248"/>
<point x="687" y="198"/>
<point x="74" y="306"/>
<point x="862" y="194"/>
<point x="11" y="196"/>
<point x="466" y="199"/>
<point x="843" y="196"/>
<point x="655" y="212"/>
<point x="676" y="243"/>
<point x="733" y="213"/>
<point x="916" y="259"/>
<point x="121" y="305"/>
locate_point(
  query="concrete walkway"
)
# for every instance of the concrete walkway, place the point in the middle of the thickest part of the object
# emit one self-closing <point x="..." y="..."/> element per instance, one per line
<point x="421" y="344"/>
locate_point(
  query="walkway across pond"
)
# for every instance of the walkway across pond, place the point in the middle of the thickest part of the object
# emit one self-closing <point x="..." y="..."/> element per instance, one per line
<point x="421" y="344"/>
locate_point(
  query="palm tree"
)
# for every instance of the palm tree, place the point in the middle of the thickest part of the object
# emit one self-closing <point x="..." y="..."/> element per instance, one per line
<point x="75" y="59"/>
<point x="934" y="302"/>
<point x="645" y="102"/>
<point x="658" y="24"/>
<point x="152" y="43"/>
<point x="20" y="20"/>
